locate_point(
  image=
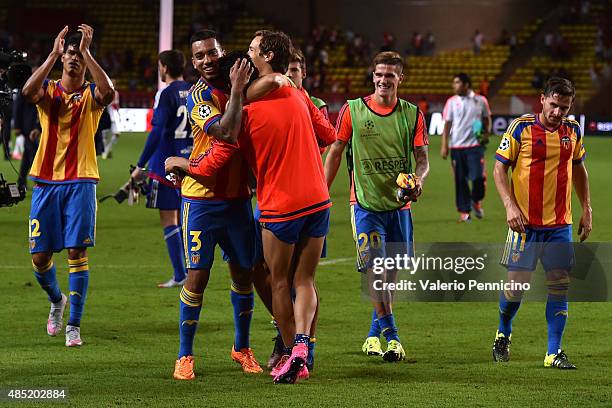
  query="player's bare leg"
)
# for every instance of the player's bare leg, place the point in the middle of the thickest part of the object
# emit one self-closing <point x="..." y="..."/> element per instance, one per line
<point x="170" y="218"/>
<point x="279" y="256"/>
<point x="306" y="258"/>
<point x="43" y="265"/>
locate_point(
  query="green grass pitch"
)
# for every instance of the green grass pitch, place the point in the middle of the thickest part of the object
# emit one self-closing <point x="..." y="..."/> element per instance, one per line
<point x="131" y="337"/>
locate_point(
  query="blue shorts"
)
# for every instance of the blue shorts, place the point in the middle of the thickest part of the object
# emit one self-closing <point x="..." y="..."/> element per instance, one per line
<point x="381" y="234"/>
<point x="259" y="256"/>
<point x="227" y="223"/>
<point x="163" y="197"/>
<point x="552" y="246"/>
<point x="62" y="216"/>
<point x="312" y="225"/>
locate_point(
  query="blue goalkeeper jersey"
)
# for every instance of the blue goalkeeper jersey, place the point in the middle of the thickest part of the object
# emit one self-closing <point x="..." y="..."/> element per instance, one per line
<point x="171" y="132"/>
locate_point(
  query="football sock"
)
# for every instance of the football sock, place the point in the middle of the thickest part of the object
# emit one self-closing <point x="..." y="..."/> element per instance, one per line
<point x="174" y="243"/>
<point x="374" y="326"/>
<point x="48" y="281"/>
<point x="556" y="312"/>
<point x="243" y="302"/>
<point x="301" y="338"/>
<point x="387" y="325"/>
<point x="78" y="281"/>
<point x="287" y="350"/>
<point x="509" y="304"/>
<point x="311" y="349"/>
<point x="190" y="307"/>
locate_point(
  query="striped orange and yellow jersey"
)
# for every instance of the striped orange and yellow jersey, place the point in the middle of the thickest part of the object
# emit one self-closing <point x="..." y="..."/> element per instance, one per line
<point x="66" y="151"/>
<point x="205" y="106"/>
<point x="542" y="161"/>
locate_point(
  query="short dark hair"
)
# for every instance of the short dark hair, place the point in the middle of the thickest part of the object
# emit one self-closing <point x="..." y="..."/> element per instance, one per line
<point x="465" y="78"/>
<point x="73" y="39"/>
<point x="202" y="35"/>
<point x="280" y="44"/>
<point x="298" y="56"/>
<point x="174" y="60"/>
<point x="227" y="61"/>
<point x="389" y="58"/>
<point x="560" y="86"/>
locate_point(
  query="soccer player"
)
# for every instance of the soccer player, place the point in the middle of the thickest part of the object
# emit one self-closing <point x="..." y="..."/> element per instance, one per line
<point x="170" y="136"/>
<point x="297" y="72"/>
<point x="379" y="129"/>
<point x="468" y="123"/>
<point x="283" y="151"/>
<point x="546" y="153"/>
<point x="216" y="210"/>
<point x="65" y="172"/>
<point x="111" y="134"/>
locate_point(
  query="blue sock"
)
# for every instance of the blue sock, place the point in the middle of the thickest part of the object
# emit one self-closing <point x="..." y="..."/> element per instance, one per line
<point x="78" y="281"/>
<point x="243" y="302"/>
<point x="311" y="349"/>
<point x="508" y="306"/>
<point x="190" y="307"/>
<point x="174" y="243"/>
<point x="301" y="338"/>
<point x="388" y="327"/>
<point x="374" y="326"/>
<point x="48" y="281"/>
<point x="556" y="312"/>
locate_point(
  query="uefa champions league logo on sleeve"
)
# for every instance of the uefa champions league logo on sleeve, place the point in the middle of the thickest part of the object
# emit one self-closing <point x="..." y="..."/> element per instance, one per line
<point x="204" y="111"/>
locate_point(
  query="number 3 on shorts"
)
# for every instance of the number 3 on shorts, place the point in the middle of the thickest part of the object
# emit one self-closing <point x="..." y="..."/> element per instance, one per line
<point x="34" y="228"/>
<point x="195" y="239"/>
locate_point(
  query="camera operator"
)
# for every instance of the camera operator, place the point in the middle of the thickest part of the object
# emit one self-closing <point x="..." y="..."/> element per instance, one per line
<point x="5" y="123"/>
<point x="25" y="122"/>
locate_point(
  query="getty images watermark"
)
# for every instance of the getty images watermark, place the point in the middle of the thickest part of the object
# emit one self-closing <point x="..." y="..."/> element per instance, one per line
<point x="478" y="271"/>
<point x="459" y="265"/>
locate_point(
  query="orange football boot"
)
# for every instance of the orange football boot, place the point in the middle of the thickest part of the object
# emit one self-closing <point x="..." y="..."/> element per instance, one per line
<point x="247" y="360"/>
<point x="183" y="368"/>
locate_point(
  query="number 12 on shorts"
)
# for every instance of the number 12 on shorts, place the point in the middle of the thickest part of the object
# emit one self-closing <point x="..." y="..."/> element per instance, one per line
<point x="34" y="228"/>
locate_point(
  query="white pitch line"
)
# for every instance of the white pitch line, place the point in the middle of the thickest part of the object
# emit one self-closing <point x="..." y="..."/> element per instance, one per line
<point x="335" y="261"/>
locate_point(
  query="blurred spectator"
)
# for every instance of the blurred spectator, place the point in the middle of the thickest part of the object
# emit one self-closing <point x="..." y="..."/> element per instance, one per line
<point x="477" y="41"/>
<point x="548" y="42"/>
<point x="595" y="75"/>
<point x="416" y="43"/>
<point x="430" y="44"/>
<point x="388" y="42"/>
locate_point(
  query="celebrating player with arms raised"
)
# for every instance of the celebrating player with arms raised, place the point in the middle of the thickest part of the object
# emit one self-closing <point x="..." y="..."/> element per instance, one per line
<point x="65" y="170"/>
